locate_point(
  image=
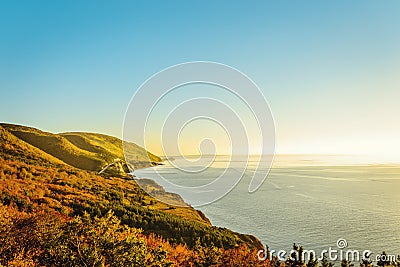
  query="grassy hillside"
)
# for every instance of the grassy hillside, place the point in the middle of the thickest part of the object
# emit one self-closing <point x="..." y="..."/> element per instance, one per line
<point x="86" y="151"/>
<point x="110" y="148"/>
<point x="11" y="147"/>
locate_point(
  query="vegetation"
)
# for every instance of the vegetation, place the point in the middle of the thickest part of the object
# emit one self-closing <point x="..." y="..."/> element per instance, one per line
<point x="54" y="214"/>
<point x="51" y="239"/>
<point x="86" y="151"/>
<point x="297" y="260"/>
<point x="72" y="192"/>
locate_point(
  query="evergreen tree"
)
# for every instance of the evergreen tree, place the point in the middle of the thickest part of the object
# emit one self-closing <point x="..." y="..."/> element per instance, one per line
<point x="383" y="260"/>
<point x="312" y="262"/>
<point x="296" y="257"/>
<point x="325" y="262"/>
<point x="366" y="263"/>
<point x="346" y="263"/>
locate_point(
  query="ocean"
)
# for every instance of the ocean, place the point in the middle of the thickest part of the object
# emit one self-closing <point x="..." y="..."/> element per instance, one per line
<point x="311" y="200"/>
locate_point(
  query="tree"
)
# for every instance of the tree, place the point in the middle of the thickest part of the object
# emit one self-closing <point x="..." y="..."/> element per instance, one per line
<point x="383" y="260"/>
<point x="325" y="262"/>
<point x="312" y="262"/>
<point x="366" y="263"/>
<point x="346" y="263"/>
<point x="296" y="257"/>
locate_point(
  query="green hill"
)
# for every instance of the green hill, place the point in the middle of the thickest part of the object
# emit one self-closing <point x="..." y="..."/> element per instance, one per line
<point x="86" y="151"/>
<point x="11" y="147"/>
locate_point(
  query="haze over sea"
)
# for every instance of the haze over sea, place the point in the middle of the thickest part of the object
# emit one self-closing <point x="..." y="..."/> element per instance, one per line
<point x="310" y="200"/>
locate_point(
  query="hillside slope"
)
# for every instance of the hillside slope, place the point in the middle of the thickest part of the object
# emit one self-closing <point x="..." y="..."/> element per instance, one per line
<point x="110" y="148"/>
<point x="86" y="151"/>
<point x="11" y="147"/>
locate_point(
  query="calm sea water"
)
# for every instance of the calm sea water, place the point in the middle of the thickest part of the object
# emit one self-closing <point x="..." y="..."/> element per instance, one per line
<point x="309" y="200"/>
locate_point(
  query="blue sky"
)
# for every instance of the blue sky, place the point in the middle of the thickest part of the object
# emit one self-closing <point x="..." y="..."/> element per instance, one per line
<point x="329" y="69"/>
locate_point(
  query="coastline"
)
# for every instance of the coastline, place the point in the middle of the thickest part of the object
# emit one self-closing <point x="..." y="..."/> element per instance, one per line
<point x="247" y="237"/>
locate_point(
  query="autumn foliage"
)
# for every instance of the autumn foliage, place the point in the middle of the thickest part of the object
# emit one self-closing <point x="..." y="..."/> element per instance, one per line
<point x="52" y="214"/>
<point x="52" y="239"/>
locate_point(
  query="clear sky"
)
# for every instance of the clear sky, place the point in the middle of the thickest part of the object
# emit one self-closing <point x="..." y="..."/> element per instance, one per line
<point x="329" y="69"/>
